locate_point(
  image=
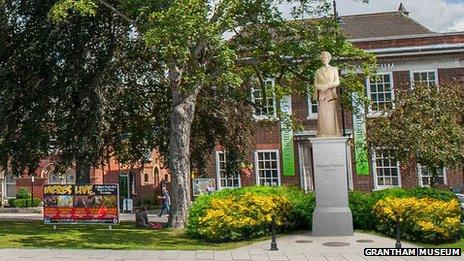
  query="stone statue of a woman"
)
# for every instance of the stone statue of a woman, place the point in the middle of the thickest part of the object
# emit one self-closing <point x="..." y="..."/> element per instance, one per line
<point x="325" y="92"/>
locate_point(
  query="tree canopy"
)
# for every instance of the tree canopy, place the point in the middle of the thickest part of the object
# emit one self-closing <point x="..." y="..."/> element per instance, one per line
<point x="208" y="75"/>
<point x="426" y="124"/>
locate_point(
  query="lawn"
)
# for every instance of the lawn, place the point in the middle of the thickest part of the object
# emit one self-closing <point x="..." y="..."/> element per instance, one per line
<point x="34" y="234"/>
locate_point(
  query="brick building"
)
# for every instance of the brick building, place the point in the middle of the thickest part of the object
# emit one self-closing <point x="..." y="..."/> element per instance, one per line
<point x="136" y="183"/>
<point x="407" y="53"/>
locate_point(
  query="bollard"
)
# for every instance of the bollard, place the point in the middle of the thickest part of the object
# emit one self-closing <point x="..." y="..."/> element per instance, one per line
<point x="398" y="235"/>
<point x="273" y="233"/>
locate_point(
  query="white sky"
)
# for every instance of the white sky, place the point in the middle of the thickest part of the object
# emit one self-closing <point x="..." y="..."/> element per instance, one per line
<point x="437" y="15"/>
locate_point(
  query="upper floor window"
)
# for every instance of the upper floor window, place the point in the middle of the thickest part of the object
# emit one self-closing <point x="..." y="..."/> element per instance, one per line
<point x="385" y="168"/>
<point x="312" y="107"/>
<point x="225" y="180"/>
<point x="426" y="176"/>
<point x="264" y="105"/>
<point x="56" y="177"/>
<point x="428" y="78"/>
<point x="380" y="91"/>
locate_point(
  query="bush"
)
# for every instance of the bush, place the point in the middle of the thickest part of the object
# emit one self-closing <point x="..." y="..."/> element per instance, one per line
<point x="422" y="219"/>
<point x="361" y="207"/>
<point x="23" y="193"/>
<point x="418" y="192"/>
<point x="234" y="214"/>
<point x="24" y="203"/>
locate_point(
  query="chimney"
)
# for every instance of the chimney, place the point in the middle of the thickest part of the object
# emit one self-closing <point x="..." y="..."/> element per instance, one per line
<point x="403" y="10"/>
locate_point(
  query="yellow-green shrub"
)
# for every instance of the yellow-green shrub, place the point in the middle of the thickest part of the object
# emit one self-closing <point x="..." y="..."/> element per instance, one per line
<point x="421" y="219"/>
<point x="229" y="218"/>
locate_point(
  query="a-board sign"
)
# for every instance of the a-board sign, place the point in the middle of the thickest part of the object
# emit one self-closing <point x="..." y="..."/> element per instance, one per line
<point x="203" y="186"/>
<point x="86" y="204"/>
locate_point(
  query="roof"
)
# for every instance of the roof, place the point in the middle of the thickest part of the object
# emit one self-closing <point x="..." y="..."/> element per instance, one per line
<point x="381" y="25"/>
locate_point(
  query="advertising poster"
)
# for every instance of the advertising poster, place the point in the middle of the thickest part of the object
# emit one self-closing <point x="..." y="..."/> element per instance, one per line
<point x="202" y="186"/>
<point x="91" y="204"/>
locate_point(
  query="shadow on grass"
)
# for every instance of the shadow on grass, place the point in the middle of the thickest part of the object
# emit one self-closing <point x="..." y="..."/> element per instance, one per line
<point x="35" y="234"/>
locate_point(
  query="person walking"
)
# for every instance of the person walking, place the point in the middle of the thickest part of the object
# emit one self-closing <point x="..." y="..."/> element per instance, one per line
<point x="166" y="202"/>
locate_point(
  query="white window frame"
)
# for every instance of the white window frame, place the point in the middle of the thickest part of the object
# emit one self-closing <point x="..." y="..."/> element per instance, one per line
<point x="256" y="165"/>
<point x="375" y="175"/>
<point x="310" y="103"/>
<point x="218" y="172"/>
<point x="419" y="175"/>
<point x="265" y="117"/>
<point x="374" y="113"/>
<point x="411" y="76"/>
<point x="9" y="184"/>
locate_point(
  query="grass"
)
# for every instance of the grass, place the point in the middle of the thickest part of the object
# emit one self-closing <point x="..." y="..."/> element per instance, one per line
<point x="34" y="234"/>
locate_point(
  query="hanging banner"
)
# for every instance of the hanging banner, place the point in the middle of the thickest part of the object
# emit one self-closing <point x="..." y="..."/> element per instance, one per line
<point x="360" y="146"/>
<point x="89" y="204"/>
<point x="286" y="132"/>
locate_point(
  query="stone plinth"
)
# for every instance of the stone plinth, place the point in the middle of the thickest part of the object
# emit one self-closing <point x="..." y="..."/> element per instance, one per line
<point x="332" y="216"/>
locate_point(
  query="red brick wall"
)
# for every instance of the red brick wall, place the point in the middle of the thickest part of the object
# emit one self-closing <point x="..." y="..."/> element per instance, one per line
<point x="26" y="182"/>
<point x="451" y="76"/>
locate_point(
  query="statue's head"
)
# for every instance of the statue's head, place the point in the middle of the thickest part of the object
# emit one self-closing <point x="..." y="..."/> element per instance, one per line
<point x="325" y="58"/>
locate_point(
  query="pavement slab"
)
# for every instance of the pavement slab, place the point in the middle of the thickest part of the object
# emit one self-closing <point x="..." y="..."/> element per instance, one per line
<point x="296" y="247"/>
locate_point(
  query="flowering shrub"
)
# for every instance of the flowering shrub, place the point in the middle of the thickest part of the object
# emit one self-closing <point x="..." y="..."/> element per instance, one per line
<point x="421" y="219"/>
<point x="235" y="214"/>
<point x="228" y="218"/>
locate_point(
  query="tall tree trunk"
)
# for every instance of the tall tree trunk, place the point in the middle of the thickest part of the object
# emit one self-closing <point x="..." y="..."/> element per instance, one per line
<point x="179" y="150"/>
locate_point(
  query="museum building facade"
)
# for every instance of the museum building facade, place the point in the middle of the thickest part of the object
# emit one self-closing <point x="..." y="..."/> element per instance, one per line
<point x="407" y="53"/>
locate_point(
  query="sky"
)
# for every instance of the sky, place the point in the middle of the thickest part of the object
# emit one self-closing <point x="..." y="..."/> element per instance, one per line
<point x="437" y="15"/>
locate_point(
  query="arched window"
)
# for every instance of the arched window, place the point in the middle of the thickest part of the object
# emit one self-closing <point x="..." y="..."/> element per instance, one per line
<point x="55" y="177"/>
<point x="146" y="178"/>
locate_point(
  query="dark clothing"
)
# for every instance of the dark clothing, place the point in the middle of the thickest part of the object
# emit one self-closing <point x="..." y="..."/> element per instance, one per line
<point x="141" y="219"/>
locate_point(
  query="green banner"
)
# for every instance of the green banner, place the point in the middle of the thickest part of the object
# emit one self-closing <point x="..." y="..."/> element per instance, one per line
<point x="359" y="128"/>
<point x="286" y="133"/>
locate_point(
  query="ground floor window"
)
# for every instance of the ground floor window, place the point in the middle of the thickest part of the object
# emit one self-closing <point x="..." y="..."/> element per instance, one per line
<point x="225" y="180"/>
<point x="267" y="168"/>
<point x="425" y="176"/>
<point x="386" y="169"/>
<point x="10" y="185"/>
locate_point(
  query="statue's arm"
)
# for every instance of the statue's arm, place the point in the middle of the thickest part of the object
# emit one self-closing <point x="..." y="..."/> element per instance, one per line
<point x="336" y="81"/>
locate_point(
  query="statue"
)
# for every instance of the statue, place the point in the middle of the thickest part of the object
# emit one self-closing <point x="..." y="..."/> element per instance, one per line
<point x="325" y="92"/>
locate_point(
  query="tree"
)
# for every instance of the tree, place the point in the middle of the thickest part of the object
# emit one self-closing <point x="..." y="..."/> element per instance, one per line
<point x="74" y="82"/>
<point x="187" y="38"/>
<point x="426" y="124"/>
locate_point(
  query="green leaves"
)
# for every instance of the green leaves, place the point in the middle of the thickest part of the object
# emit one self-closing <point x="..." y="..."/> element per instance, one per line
<point x="62" y="8"/>
<point x="426" y="124"/>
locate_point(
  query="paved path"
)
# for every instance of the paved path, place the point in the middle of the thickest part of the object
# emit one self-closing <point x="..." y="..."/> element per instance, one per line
<point x="38" y="216"/>
<point x="297" y="247"/>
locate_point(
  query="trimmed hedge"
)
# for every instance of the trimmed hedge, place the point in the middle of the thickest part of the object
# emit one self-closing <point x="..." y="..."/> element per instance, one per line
<point x="24" y="203"/>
